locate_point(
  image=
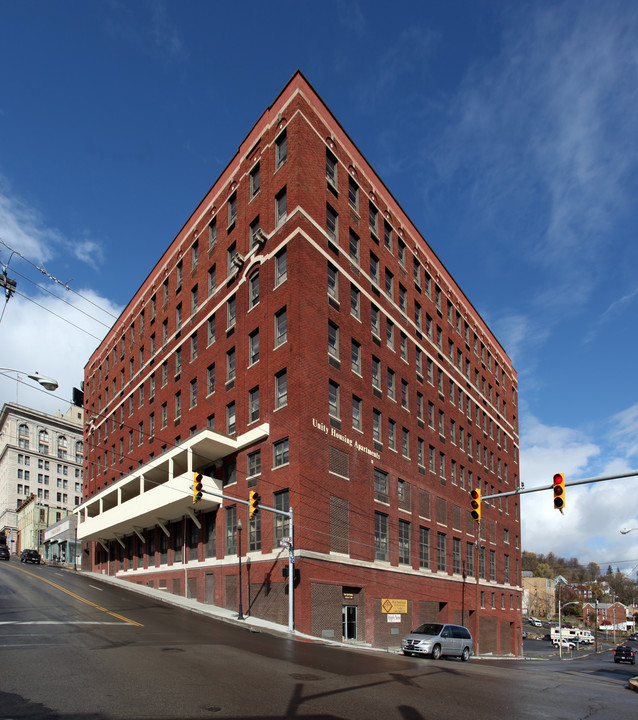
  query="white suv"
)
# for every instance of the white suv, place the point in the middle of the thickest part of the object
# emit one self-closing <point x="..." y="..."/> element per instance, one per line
<point x="536" y="622"/>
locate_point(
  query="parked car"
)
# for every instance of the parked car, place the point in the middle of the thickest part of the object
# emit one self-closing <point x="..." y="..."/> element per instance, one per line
<point x="633" y="637"/>
<point x="4" y="553"/>
<point x="536" y="622"/>
<point x="30" y="556"/>
<point x="524" y="635"/>
<point x="625" y="653"/>
<point x="438" y="639"/>
<point x="567" y="644"/>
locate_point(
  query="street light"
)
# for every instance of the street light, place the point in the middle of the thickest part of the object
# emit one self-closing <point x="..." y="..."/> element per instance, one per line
<point x="46" y="382"/>
<point x="240" y="615"/>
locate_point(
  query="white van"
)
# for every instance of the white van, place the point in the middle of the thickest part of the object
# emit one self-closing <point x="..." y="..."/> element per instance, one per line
<point x="535" y="622"/>
<point x="438" y="639"/>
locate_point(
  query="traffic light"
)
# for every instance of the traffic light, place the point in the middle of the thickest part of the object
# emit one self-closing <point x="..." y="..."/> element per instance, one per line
<point x="559" y="491"/>
<point x="475" y="504"/>
<point x="198" y="483"/>
<point x="254" y="499"/>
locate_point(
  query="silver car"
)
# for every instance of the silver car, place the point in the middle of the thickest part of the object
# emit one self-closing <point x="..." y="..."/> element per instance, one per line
<point x="438" y="639"/>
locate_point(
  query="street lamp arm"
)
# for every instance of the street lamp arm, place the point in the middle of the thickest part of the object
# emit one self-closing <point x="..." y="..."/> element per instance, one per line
<point x="624" y="531"/>
<point x="47" y="383"/>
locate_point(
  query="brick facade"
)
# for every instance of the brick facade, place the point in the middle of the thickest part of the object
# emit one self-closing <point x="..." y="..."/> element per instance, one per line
<point x="384" y="397"/>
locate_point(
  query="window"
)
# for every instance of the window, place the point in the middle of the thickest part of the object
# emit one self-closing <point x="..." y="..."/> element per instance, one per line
<point x="193" y="392"/>
<point x="178" y="361"/>
<point x="353" y="194"/>
<point x="374" y="220"/>
<point x="254" y="232"/>
<point x="178" y="317"/>
<point x="164" y="415"/>
<point x="280" y="453"/>
<point x="230" y="365"/>
<point x="193" y="346"/>
<point x="401" y="251"/>
<point x="424" y="547"/>
<point x="355" y="302"/>
<point x="354" y="247"/>
<point x="333" y="282"/>
<point x="332" y="223"/>
<point x="231" y="530"/>
<point x="281" y="389"/>
<point x="389" y="284"/>
<point x="334" y="403"/>
<point x="281" y="327"/>
<point x="212" y="280"/>
<point x="389" y="332"/>
<point x="376" y="425"/>
<point x="403" y="299"/>
<point x="210" y="330"/>
<point x="375" y="320"/>
<point x="253" y="290"/>
<point x="253" y="464"/>
<point x="253" y="347"/>
<point x="212" y="233"/>
<point x="456" y="556"/>
<point x="231" y="312"/>
<point x="280" y="523"/>
<point x="356" y="357"/>
<point x="232" y="210"/>
<point x="374" y="268"/>
<point x="210" y="379"/>
<point x="179" y="273"/>
<point x="253" y="405"/>
<point x="380" y="485"/>
<point x="387" y="236"/>
<point x="140" y="434"/>
<point x="376" y="373"/>
<point x="281" y="150"/>
<point x="195" y="254"/>
<point x="380" y="536"/>
<point x="254" y="181"/>
<point x="230" y="418"/>
<point x="391" y="385"/>
<point x="178" y="404"/>
<point x="441" y="551"/>
<point x="404" y="394"/>
<point x="331" y="169"/>
<point x="280" y="207"/>
<point x="357" y="420"/>
<point x="392" y="434"/>
<point x="281" y="267"/>
<point x="405" y="442"/>
<point x="404" y="542"/>
<point x="230" y="255"/>
<point x="333" y="340"/>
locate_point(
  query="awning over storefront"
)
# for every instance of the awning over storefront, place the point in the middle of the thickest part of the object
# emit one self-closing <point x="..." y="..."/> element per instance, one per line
<point x="161" y="490"/>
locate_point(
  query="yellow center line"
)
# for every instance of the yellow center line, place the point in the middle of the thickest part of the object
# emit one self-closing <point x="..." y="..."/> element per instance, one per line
<point x="81" y="599"/>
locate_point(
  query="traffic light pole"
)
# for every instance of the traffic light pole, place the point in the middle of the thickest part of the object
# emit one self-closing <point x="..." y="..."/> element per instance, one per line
<point x="477" y="560"/>
<point x="290" y="546"/>
<point x="586" y="481"/>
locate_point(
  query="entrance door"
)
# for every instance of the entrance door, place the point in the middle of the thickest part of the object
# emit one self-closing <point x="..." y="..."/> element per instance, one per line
<point x="349" y="622"/>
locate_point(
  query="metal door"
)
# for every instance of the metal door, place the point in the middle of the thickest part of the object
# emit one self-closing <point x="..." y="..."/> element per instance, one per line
<point x="349" y="622"/>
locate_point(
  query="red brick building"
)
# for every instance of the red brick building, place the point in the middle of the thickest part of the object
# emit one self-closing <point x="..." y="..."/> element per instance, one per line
<point x="299" y="337"/>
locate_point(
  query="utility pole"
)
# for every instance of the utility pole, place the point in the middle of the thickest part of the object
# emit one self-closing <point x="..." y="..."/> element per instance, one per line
<point x="9" y="284"/>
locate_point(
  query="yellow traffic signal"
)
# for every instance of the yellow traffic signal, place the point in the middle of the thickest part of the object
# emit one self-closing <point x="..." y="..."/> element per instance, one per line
<point x="559" y="491"/>
<point x="198" y="483"/>
<point x="475" y="504"/>
<point x="254" y="499"/>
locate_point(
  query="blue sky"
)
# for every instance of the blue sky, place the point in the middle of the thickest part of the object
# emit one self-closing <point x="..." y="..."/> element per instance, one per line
<point x="507" y="131"/>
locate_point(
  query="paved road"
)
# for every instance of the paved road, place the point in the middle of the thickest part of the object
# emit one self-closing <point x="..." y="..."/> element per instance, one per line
<point x="72" y="647"/>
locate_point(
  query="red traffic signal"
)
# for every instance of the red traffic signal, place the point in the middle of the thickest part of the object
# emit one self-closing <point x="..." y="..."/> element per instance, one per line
<point x="198" y="485"/>
<point x="254" y="498"/>
<point x="475" y="504"/>
<point x="559" y="491"/>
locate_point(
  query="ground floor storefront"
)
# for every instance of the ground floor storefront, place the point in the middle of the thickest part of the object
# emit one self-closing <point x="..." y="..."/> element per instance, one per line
<point x="333" y="598"/>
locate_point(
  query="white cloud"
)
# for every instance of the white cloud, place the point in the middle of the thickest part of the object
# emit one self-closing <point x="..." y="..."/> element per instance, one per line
<point x="38" y="339"/>
<point x="589" y="528"/>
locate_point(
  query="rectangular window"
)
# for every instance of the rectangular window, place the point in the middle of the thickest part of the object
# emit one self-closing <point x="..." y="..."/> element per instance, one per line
<point x="281" y="267"/>
<point x="404" y="542"/>
<point x="281" y="150"/>
<point x="212" y="280"/>
<point x="281" y="208"/>
<point x="441" y="552"/>
<point x="232" y="209"/>
<point x="380" y="536"/>
<point x="374" y="220"/>
<point x="178" y="405"/>
<point x="456" y="556"/>
<point x="230" y="365"/>
<point x="254" y="181"/>
<point x="210" y="379"/>
<point x="280" y="522"/>
<point x="230" y="418"/>
<point x="376" y="425"/>
<point x="353" y="194"/>
<point x="356" y="357"/>
<point x="357" y="420"/>
<point x="380" y="485"/>
<point x="332" y="223"/>
<point x="281" y="327"/>
<point x="253" y="405"/>
<point x="281" y="389"/>
<point x="333" y="340"/>
<point x="253" y="347"/>
<point x="280" y="453"/>
<point x="193" y="393"/>
<point x="375" y="320"/>
<point x="210" y="330"/>
<point x="355" y="302"/>
<point x="354" y="247"/>
<point x="334" y="409"/>
<point x="212" y="233"/>
<point x="333" y="282"/>
<point x="253" y="290"/>
<point x="331" y="169"/>
<point x="374" y="268"/>
<point x="387" y="236"/>
<point x="253" y="464"/>
<point x="231" y="312"/>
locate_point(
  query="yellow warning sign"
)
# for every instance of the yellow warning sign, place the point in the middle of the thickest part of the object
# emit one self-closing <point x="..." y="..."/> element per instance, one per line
<point x="394" y="606"/>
